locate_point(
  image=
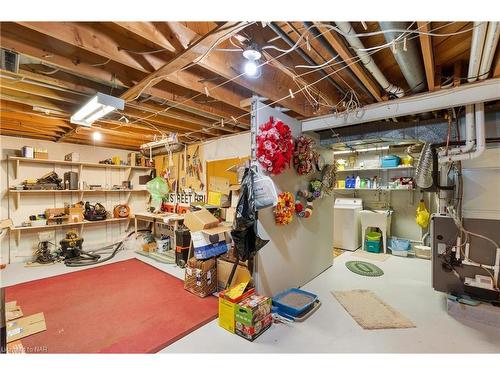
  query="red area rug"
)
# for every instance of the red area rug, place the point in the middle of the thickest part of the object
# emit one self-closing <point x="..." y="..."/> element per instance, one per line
<point x="123" y="307"/>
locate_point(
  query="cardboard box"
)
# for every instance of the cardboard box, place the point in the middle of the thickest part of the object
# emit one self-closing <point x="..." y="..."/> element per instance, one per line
<point x="22" y="327"/>
<point x="200" y="277"/>
<point x="199" y="220"/>
<point x="218" y="199"/>
<point x="253" y="309"/>
<point x="41" y="155"/>
<point x="252" y="332"/>
<point x="235" y="194"/>
<point x="12" y="311"/>
<point x="224" y="269"/>
<point x="227" y="308"/>
<point x="219" y="185"/>
<point x="210" y="242"/>
<point x="230" y="214"/>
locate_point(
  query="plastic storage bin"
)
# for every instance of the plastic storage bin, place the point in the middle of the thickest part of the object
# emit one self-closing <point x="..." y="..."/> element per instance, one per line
<point x="373" y="246"/>
<point x="390" y="161"/>
<point x="399" y="246"/>
<point x="374" y="236"/>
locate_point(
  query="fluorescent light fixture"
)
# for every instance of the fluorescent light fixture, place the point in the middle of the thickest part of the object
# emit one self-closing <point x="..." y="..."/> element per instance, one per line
<point x="99" y="106"/>
<point x="361" y="150"/>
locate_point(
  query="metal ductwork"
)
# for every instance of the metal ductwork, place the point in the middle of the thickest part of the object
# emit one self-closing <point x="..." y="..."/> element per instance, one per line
<point x="407" y="55"/>
<point x="350" y="35"/>
<point x="342" y="65"/>
<point x="164" y="146"/>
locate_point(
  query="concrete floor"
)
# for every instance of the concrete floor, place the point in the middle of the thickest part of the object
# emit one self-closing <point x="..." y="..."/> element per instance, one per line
<point x="405" y="286"/>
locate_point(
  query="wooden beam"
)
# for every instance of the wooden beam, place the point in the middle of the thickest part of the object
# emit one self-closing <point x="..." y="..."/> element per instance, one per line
<point x="149" y="31"/>
<point x="428" y="55"/>
<point x="195" y="51"/>
<point x="339" y="46"/>
<point x="229" y="66"/>
<point x="457" y="73"/>
<point x="98" y="42"/>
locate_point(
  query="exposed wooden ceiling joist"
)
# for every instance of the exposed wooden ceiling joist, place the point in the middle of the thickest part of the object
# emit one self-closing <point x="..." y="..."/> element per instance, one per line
<point x="427" y="54"/>
<point x="339" y="46"/>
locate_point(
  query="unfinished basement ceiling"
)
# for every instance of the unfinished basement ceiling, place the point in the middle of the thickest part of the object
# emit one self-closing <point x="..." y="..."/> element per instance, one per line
<point x="62" y="64"/>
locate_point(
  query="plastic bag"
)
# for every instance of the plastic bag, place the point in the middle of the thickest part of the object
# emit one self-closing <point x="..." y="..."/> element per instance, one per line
<point x="264" y="191"/>
<point x="423" y="215"/>
<point x="244" y="233"/>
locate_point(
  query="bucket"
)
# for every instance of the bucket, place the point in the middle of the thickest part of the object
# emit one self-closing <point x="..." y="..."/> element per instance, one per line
<point x="373" y="236"/>
<point x="372" y="246"/>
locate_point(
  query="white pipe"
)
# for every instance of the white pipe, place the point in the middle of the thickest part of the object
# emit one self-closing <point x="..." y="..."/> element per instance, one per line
<point x="476" y="49"/>
<point x="480" y="139"/>
<point x="489" y="49"/>
<point x="367" y="61"/>
<point x="469" y="134"/>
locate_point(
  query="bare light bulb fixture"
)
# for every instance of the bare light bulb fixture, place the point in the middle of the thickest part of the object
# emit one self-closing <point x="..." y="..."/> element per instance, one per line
<point x="252" y="55"/>
<point x="97" y="136"/>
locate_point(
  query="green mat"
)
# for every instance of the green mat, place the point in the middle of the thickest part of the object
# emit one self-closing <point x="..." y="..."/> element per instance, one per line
<point x="364" y="268"/>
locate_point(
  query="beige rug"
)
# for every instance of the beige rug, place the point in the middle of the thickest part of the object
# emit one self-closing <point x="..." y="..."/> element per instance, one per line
<point x="381" y="257"/>
<point x="369" y="311"/>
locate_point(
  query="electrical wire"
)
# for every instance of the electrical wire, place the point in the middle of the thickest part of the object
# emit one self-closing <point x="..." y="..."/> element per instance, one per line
<point x="276" y="101"/>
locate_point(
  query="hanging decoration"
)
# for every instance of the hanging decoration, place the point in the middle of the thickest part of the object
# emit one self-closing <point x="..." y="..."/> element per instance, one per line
<point x="274" y="146"/>
<point x="283" y="212"/>
<point x="328" y="178"/>
<point x="314" y="192"/>
<point x="305" y="159"/>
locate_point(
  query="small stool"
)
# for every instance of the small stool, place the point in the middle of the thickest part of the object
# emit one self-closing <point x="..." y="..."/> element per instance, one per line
<point x="380" y="219"/>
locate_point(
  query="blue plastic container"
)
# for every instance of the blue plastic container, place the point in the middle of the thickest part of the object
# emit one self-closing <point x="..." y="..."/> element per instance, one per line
<point x="373" y="246"/>
<point x="293" y="310"/>
<point x="390" y="161"/>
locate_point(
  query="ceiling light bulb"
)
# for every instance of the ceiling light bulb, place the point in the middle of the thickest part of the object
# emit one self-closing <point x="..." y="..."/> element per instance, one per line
<point x="97" y="136"/>
<point x="251" y="68"/>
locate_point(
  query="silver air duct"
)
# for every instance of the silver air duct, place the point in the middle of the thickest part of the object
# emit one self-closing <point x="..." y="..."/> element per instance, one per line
<point x="423" y="172"/>
<point x="407" y="55"/>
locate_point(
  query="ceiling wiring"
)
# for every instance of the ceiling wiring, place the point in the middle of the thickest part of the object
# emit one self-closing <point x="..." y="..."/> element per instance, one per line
<point x="354" y="60"/>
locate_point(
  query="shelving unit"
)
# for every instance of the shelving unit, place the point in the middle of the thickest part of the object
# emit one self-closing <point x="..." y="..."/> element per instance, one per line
<point x="375" y="169"/>
<point x="18" y="193"/>
<point x="17" y="162"/>
<point x="80" y="225"/>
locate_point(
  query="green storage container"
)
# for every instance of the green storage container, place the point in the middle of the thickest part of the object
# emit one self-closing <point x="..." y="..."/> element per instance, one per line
<point x="373" y="236"/>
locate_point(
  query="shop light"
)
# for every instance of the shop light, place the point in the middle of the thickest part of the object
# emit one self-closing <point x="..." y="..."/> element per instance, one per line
<point x="361" y="150"/>
<point x="251" y="68"/>
<point x="99" y="106"/>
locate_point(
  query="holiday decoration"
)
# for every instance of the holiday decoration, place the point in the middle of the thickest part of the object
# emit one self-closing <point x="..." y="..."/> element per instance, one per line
<point x="328" y="178"/>
<point x="304" y="156"/>
<point x="283" y="212"/>
<point x="310" y="195"/>
<point x="274" y="146"/>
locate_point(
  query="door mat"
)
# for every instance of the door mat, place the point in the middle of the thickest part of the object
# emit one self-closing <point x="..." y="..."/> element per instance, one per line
<point x="381" y="257"/>
<point x="369" y="311"/>
<point x="364" y="268"/>
<point x="121" y="307"/>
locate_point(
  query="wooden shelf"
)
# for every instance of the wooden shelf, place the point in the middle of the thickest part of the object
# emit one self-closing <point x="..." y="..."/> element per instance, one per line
<point x="376" y="169"/>
<point x="77" y="163"/>
<point x="19" y="230"/>
<point x="17" y="193"/>
<point x="364" y="189"/>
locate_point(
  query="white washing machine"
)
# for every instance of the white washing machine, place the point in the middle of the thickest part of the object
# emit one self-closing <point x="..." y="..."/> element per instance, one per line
<point x="347" y="223"/>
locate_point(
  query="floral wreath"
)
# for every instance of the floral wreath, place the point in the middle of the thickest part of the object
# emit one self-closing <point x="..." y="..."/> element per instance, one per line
<point x="305" y="158"/>
<point x="310" y="195"/>
<point x="283" y="212"/>
<point x="274" y="146"/>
